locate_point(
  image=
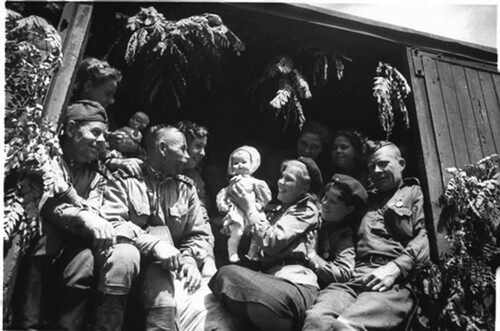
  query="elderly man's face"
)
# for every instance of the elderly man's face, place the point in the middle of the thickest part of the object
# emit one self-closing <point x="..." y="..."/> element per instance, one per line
<point x="174" y="152"/>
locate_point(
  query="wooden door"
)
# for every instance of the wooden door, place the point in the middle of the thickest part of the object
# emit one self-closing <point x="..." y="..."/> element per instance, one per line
<point x="457" y="111"/>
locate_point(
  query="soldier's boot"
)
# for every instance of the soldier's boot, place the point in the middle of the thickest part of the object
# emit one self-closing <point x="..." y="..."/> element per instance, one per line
<point x="72" y="307"/>
<point x="109" y="312"/>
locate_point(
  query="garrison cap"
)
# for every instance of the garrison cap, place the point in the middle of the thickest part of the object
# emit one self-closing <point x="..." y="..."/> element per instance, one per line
<point x="375" y="145"/>
<point x="316" y="182"/>
<point x="85" y="110"/>
<point x="351" y="186"/>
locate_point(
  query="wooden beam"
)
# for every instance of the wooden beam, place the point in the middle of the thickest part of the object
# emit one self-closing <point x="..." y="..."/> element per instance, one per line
<point x="74" y="29"/>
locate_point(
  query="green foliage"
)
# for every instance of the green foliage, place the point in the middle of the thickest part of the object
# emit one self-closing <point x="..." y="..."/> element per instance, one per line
<point x="390" y="89"/>
<point x="459" y="293"/>
<point x="32" y="54"/>
<point x="166" y="55"/>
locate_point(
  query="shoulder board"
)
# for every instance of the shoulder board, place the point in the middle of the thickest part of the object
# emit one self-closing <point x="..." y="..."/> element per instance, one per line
<point x="185" y="179"/>
<point x="411" y="181"/>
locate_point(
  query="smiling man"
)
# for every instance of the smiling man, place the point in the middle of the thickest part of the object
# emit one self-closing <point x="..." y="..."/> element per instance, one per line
<point x="392" y="242"/>
<point x="159" y="222"/>
<point x="72" y="229"/>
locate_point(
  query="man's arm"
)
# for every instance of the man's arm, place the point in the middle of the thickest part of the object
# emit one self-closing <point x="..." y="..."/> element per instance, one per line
<point x="195" y="244"/>
<point x="117" y="210"/>
<point x="417" y="250"/>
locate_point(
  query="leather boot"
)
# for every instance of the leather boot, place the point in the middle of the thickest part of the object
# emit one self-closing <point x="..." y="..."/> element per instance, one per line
<point x="110" y="311"/>
<point x="71" y="313"/>
<point x="161" y="319"/>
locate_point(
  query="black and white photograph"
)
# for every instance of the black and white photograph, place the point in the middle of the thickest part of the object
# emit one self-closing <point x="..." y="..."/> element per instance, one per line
<point x="251" y="166"/>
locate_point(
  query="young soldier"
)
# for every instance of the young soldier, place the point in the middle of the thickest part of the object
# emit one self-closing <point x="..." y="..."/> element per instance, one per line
<point x="392" y="241"/>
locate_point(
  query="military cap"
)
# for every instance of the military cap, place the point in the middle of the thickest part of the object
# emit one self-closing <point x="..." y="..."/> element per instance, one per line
<point x="316" y="181"/>
<point x="353" y="188"/>
<point x="85" y="110"/>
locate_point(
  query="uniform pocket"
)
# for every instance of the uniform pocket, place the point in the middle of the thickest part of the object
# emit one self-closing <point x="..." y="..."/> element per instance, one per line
<point x="398" y="219"/>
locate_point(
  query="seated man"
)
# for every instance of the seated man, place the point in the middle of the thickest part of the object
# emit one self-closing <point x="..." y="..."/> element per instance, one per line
<point x="392" y="241"/>
<point x="159" y="219"/>
<point x="73" y="231"/>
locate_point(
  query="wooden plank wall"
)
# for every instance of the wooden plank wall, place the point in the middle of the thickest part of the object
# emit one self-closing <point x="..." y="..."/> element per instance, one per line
<point x="457" y="110"/>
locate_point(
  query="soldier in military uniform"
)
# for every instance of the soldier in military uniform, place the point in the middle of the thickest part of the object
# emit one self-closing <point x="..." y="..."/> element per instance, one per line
<point x="161" y="234"/>
<point x="392" y="242"/>
<point x="73" y="231"/>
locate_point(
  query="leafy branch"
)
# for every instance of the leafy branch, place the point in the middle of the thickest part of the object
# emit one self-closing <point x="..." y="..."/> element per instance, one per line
<point x="32" y="55"/>
<point x="390" y="88"/>
<point x="461" y="289"/>
<point x="292" y="88"/>
<point x="167" y="55"/>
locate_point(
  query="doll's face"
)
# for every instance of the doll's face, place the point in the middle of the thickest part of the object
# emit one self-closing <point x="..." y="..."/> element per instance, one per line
<point x="137" y="122"/>
<point x="241" y="163"/>
<point x="334" y="210"/>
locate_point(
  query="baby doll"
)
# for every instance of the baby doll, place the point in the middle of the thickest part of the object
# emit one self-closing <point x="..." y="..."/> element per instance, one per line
<point x="243" y="162"/>
<point x="138" y="122"/>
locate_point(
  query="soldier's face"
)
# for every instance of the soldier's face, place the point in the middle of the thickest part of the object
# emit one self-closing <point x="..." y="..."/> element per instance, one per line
<point x="174" y="152"/>
<point x="87" y="140"/>
<point x="386" y="169"/>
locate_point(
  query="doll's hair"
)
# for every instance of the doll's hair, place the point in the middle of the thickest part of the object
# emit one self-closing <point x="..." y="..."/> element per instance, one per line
<point x="95" y="70"/>
<point x="191" y="130"/>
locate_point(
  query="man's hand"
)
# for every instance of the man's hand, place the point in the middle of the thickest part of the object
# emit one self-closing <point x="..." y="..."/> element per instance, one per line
<point x="192" y="277"/>
<point x="383" y="278"/>
<point x="168" y="255"/>
<point x="101" y="230"/>
<point x="132" y="166"/>
<point x="310" y="243"/>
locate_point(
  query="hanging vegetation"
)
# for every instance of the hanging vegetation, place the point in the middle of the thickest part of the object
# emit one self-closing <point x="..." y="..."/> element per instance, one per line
<point x="459" y="293"/>
<point x="390" y="89"/>
<point x="291" y="87"/>
<point x="32" y="54"/>
<point x="326" y="63"/>
<point x="166" y="55"/>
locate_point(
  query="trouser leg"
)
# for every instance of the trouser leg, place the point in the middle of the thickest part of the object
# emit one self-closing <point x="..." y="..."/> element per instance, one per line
<point x="158" y="298"/>
<point x="76" y="270"/>
<point x="116" y="274"/>
<point x="377" y="310"/>
<point x="330" y="303"/>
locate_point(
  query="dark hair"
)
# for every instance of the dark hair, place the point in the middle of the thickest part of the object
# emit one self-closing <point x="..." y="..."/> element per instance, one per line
<point x="322" y="130"/>
<point x="95" y="70"/>
<point x="191" y="130"/>
<point x="358" y="141"/>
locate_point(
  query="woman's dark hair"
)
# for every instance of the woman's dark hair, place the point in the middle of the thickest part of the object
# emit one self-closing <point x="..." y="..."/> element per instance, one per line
<point x="320" y="129"/>
<point x="358" y="141"/>
<point x="95" y="70"/>
<point x="191" y="130"/>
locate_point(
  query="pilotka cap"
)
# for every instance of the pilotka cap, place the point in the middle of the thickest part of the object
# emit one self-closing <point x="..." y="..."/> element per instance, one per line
<point x="351" y="186"/>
